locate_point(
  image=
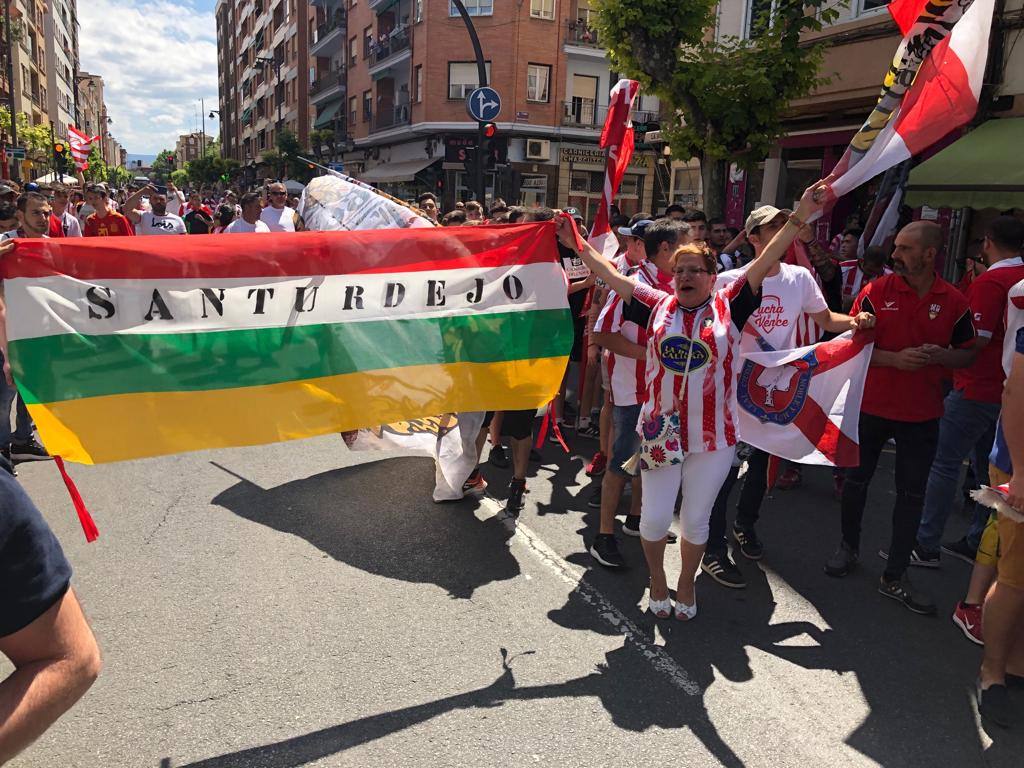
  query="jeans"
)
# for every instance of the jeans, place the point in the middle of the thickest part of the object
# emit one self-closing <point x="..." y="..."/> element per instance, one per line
<point x="23" y="422"/>
<point x="916" y="442"/>
<point x="755" y="484"/>
<point x="963" y="427"/>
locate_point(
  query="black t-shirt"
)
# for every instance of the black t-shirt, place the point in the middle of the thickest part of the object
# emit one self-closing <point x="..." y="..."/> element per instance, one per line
<point x="34" y="574"/>
<point x="577" y="271"/>
<point x="741" y="307"/>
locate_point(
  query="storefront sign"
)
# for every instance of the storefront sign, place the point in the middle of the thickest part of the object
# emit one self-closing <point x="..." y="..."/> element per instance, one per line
<point x="596" y="157"/>
<point x="460" y="149"/>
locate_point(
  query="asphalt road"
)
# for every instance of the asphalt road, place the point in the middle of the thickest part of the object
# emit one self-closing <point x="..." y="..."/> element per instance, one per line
<point x="298" y="604"/>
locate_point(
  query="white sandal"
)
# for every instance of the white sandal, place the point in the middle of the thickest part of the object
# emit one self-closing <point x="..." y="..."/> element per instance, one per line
<point x="686" y="612"/>
<point x="660" y="608"/>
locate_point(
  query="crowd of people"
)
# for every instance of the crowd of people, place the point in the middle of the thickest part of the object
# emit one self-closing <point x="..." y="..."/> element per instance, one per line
<point x="659" y="334"/>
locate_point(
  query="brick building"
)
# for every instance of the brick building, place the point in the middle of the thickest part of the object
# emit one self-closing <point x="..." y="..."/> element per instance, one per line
<point x="408" y="66"/>
<point x="264" y="69"/>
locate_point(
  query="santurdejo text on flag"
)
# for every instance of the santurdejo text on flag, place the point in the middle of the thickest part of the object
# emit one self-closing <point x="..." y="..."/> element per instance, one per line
<point x="130" y="347"/>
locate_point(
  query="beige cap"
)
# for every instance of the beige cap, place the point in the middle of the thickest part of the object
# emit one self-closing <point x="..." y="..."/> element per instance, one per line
<point x="760" y="216"/>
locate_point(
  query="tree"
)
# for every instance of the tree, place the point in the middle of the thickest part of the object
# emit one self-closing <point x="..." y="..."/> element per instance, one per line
<point x="35" y="138"/>
<point x="732" y="93"/>
<point x="97" y="170"/>
<point x="275" y="161"/>
<point x="320" y="139"/>
<point x="119" y="176"/>
<point x="179" y="177"/>
<point x="165" y="162"/>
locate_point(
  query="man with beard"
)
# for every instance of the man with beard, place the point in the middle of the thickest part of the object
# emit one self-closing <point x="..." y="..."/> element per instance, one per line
<point x="156" y="221"/>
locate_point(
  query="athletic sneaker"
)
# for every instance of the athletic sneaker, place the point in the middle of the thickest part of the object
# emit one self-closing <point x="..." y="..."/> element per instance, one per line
<point x="968" y="618"/>
<point x="843" y="561"/>
<point x="30" y="451"/>
<point x="498" y="456"/>
<point x="750" y="546"/>
<point x="597" y="465"/>
<point x="605" y="550"/>
<point x="903" y="591"/>
<point x="960" y="549"/>
<point x="514" y="503"/>
<point x="994" y="704"/>
<point x="592" y="431"/>
<point x="722" y="569"/>
<point x="475" y="484"/>
<point x="594" y="502"/>
<point x="6" y="451"/>
<point x="790" y="479"/>
<point x="631" y="527"/>
<point x="918" y="557"/>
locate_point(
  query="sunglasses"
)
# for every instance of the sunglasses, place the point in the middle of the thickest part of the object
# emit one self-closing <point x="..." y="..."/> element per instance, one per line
<point x="278" y="194"/>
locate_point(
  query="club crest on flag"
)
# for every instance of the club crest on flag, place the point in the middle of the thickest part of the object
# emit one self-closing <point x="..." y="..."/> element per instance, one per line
<point x="776" y="394"/>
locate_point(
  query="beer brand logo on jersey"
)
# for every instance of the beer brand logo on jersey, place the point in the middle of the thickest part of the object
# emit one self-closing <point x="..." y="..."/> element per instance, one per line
<point x="775" y="395"/>
<point x="676" y="349"/>
<point x="771" y="315"/>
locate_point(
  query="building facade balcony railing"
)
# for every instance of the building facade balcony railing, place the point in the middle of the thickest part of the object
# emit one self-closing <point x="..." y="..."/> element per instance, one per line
<point x="389" y="118"/>
<point x="337" y="21"/>
<point x="390" y="45"/>
<point x="578" y="33"/>
<point x="327" y="82"/>
<point x="584" y="113"/>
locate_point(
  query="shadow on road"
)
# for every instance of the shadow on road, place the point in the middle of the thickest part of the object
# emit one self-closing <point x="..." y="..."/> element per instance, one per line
<point x="362" y="515"/>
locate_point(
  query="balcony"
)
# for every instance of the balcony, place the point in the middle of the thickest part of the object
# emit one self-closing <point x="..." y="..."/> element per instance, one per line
<point x="330" y="36"/>
<point x="584" y="113"/>
<point x="583" y="40"/>
<point x="388" y="50"/>
<point x="328" y="84"/>
<point x="389" y="118"/>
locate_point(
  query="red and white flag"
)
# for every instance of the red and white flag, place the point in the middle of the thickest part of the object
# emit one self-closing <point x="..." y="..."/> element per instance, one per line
<point x="804" y="404"/>
<point x="906" y="12"/>
<point x="80" y="145"/>
<point x="617" y="138"/>
<point x="932" y="88"/>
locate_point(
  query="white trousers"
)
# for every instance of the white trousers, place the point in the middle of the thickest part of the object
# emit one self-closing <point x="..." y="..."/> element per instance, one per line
<point x="701" y="476"/>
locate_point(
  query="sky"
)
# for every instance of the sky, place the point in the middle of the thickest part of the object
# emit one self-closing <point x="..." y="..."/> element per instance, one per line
<point x="157" y="59"/>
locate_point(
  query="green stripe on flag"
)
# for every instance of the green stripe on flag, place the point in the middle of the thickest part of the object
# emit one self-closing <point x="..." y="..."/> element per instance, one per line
<point x="71" y="366"/>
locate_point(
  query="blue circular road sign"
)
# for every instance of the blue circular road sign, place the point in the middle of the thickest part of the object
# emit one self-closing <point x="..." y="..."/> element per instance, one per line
<point x="483" y="104"/>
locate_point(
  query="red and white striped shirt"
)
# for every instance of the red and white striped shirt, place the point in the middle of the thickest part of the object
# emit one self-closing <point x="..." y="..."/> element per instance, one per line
<point x="703" y="340"/>
<point x="853" y="278"/>
<point x="626" y="374"/>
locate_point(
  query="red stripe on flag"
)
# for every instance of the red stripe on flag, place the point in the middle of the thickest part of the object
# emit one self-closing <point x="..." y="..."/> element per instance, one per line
<point x="906" y="12"/>
<point x="831" y="441"/>
<point x="376" y="251"/>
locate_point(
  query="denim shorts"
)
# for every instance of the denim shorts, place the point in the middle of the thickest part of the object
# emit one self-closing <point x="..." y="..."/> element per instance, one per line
<point x="627" y="439"/>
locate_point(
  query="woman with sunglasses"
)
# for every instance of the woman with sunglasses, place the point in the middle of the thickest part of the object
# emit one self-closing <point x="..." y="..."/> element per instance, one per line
<point x="688" y="421"/>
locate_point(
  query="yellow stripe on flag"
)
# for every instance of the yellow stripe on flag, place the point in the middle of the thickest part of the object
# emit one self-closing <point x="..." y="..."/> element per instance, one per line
<point x="135" y="426"/>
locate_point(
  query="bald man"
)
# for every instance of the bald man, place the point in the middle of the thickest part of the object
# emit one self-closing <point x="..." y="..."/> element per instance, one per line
<point x="923" y="327"/>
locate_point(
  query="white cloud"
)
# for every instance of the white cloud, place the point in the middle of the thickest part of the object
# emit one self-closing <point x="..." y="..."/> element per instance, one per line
<point x="157" y="59"/>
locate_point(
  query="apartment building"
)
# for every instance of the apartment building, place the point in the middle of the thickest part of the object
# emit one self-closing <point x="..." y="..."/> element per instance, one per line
<point x="408" y="66"/>
<point x="93" y="118"/>
<point x="265" y="72"/>
<point x="190" y="146"/>
<point x="30" y="71"/>
<point x="61" y="31"/>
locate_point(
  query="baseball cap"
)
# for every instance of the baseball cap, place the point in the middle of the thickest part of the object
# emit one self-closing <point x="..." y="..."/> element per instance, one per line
<point x="574" y="213"/>
<point x="637" y="230"/>
<point x="760" y="216"/>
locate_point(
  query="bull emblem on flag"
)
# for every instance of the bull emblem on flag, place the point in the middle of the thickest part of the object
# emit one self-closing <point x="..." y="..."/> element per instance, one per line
<point x="776" y="394"/>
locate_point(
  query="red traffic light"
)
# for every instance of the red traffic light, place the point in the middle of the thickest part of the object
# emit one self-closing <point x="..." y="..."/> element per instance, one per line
<point x="490" y="130"/>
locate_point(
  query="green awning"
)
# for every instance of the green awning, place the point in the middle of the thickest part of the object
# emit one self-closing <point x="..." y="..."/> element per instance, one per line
<point x="976" y="171"/>
<point x="326" y="113"/>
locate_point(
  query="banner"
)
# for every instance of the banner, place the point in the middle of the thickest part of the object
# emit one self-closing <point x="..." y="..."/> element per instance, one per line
<point x="335" y="203"/>
<point x="804" y="404"/>
<point x="130" y="347"/>
<point x="617" y="139"/>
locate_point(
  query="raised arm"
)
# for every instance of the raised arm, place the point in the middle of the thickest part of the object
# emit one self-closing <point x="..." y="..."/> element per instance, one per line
<point x="132" y="203"/>
<point x="599" y="265"/>
<point x="811" y="202"/>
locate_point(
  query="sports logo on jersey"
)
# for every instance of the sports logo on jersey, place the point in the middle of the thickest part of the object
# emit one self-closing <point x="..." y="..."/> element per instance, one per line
<point x="774" y="395"/>
<point x="933" y="311"/>
<point x="676" y="349"/>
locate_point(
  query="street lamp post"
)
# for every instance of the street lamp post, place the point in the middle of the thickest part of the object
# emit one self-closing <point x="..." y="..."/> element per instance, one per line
<point x="481" y="74"/>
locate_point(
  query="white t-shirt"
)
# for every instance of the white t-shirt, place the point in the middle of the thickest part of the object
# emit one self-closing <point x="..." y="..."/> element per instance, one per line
<point x="279" y="219"/>
<point x="168" y="224"/>
<point x="70" y="225"/>
<point x="241" y="226"/>
<point x="786" y="299"/>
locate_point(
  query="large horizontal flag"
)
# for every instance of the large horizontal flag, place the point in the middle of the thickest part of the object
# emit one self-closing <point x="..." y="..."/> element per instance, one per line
<point x="131" y="347"/>
<point x="804" y="404"/>
<point x="932" y="88"/>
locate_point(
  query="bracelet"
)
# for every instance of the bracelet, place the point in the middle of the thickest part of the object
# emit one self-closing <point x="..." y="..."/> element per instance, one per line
<point x="796" y="221"/>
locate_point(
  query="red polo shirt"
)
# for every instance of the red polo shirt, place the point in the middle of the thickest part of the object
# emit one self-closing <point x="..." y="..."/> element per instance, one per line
<point x="942" y="317"/>
<point x="987" y="295"/>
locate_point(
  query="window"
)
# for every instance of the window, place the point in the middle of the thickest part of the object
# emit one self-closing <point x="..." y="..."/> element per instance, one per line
<point x="353" y="51"/>
<point x="760" y="17"/>
<point x="867" y="6"/>
<point x="537" y="78"/>
<point x="367" y="106"/>
<point x="418" y="10"/>
<point x="367" y="41"/>
<point x="462" y="78"/>
<point x="417" y="85"/>
<point x="474" y="8"/>
<point x="353" y="106"/>
<point x="542" y="9"/>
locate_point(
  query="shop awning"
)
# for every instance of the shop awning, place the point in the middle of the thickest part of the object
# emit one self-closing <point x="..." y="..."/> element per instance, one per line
<point x="389" y="172"/>
<point x="327" y="112"/>
<point x="976" y="171"/>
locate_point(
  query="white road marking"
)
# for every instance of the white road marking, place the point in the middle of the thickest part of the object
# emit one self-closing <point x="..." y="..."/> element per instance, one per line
<point x="573" y="575"/>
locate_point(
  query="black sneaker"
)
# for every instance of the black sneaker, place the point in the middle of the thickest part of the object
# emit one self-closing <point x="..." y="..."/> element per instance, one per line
<point x="918" y="557"/>
<point x="749" y="544"/>
<point x="7" y="463"/>
<point x="592" y="431"/>
<point x="722" y="569"/>
<point x="843" y="561"/>
<point x="903" y="591"/>
<point x="498" y="456"/>
<point x="605" y="550"/>
<point x="960" y="549"/>
<point x="631" y="527"/>
<point x="30" y="451"/>
<point x="514" y="502"/>
<point x="594" y="502"/>
<point x="994" y="704"/>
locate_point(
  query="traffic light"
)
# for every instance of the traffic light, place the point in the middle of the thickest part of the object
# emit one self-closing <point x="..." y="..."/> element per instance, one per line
<point x="488" y="132"/>
<point x="60" y="156"/>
